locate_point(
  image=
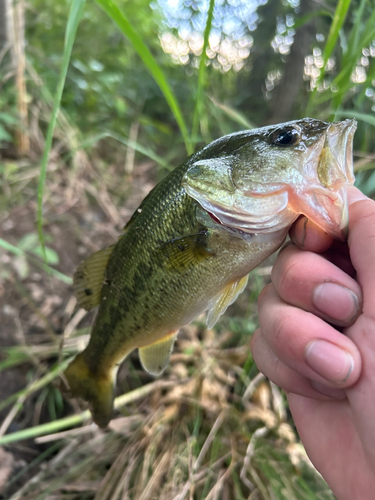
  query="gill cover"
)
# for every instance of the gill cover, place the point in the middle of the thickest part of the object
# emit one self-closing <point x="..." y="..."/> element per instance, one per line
<point x="264" y="184"/>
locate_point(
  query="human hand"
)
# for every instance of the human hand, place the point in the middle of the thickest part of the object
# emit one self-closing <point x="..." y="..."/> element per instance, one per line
<point x="319" y="289"/>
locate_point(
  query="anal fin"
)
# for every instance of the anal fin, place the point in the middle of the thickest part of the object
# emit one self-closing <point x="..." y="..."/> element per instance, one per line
<point x="89" y="276"/>
<point x="155" y="357"/>
<point x="220" y="302"/>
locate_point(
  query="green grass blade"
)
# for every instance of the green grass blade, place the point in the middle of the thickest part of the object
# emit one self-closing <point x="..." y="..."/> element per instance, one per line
<point x="37" y="384"/>
<point x="333" y="35"/>
<point x="89" y="141"/>
<point x="75" y="14"/>
<point x="114" y="12"/>
<point x="300" y="21"/>
<point x="42" y="265"/>
<point x="364" y="117"/>
<point x="202" y="71"/>
<point x="233" y="114"/>
<point x="355" y="33"/>
<point x="64" y="423"/>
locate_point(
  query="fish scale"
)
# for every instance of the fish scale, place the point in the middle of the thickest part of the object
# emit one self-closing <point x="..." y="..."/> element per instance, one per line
<point x="190" y="245"/>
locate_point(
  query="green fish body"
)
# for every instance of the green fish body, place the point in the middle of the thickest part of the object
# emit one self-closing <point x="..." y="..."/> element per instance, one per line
<point x="190" y="245"/>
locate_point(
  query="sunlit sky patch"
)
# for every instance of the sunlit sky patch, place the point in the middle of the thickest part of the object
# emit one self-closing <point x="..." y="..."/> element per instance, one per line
<point x="230" y="40"/>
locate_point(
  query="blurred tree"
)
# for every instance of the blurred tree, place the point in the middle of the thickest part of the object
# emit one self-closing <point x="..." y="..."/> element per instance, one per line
<point x="285" y="95"/>
<point x="6" y="28"/>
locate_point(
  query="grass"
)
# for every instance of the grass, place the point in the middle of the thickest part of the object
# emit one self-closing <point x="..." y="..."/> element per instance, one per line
<point x="119" y="17"/>
<point x="187" y="436"/>
<point x="212" y="427"/>
<point x="75" y="14"/>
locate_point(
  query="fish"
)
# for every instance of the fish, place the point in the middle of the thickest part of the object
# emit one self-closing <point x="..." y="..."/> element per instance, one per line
<point x="192" y="242"/>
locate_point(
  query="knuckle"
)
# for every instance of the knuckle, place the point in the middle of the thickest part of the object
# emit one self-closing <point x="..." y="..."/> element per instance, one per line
<point x="264" y="294"/>
<point x="281" y="328"/>
<point x="287" y="275"/>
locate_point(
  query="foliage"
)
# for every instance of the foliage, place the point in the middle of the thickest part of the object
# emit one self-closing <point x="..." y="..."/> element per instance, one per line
<point x="112" y="109"/>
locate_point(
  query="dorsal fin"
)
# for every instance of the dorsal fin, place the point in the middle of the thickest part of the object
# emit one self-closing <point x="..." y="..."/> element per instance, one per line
<point x="155" y="357"/>
<point x="89" y="276"/>
<point x="219" y="304"/>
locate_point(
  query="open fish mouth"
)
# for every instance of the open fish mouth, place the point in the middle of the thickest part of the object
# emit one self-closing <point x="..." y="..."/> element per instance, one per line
<point x="325" y="202"/>
<point x="315" y="186"/>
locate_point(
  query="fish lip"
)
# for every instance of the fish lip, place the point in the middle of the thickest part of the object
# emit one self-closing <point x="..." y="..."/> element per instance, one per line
<point x="340" y="140"/>
<point x="330" y="211"/>
<point x="327" y="204"/>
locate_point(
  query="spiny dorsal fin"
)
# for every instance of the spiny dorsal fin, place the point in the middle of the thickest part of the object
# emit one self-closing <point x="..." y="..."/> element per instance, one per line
<point x="155" y="357"/>
<point x="181" y="253"/>
<point x="219" y="304"/>
<point x="89" y="276"/>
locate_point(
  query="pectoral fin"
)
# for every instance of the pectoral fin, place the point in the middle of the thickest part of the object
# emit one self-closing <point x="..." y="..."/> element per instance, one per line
<point x="88" y="278"/>
<point x="181" y="253"/>
<point x="219" y="304"/>
<point x="155" y="357"/>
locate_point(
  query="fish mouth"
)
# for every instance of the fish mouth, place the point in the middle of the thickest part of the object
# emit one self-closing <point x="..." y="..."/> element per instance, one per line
<point x="326" y="202"/>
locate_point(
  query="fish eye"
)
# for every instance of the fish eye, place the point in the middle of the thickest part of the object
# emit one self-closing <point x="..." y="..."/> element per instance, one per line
<point x="285" y="137"/>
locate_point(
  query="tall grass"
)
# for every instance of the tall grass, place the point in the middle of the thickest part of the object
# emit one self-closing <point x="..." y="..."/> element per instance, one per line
<point x="75" y="15"/>
<point x="119" y="17"/>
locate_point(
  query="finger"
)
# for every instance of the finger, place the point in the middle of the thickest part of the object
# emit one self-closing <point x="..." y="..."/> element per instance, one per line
<point x="306" y="343"/>
<point x="309" y="281"/>
<point x="283" y="376"/>
<point x="361" y="242"/>
<point x="308" y="236"/>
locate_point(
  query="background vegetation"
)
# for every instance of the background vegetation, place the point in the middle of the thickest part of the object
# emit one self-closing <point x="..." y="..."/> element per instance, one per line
<point x="98" y="101"/>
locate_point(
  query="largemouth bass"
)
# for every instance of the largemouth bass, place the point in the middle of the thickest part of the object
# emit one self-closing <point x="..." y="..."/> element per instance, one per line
<point x="190" y="245"/>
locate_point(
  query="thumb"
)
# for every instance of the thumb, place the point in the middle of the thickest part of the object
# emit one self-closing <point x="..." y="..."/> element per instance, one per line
<point x="361" y="241"/>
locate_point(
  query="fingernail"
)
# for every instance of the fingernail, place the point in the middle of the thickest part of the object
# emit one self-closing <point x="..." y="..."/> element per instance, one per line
<point x="335" y="301"/>
<point x="329" y="361"/>
<point x="329" y="391"/>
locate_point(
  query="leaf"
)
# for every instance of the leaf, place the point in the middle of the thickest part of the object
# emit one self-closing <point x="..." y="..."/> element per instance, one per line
<point x="4" y="136"/>
<point x="114" y="12"/>
<point x="21" y="266"/>
<point x="364" y="117"/>
<point x="42" y="265"/>
<point x="75" y="15"/>
<point x="8" y="119"/>
<point x="202" y="70"/>
<point x="233" y="114"/>
<point x="51" y="255"/>
<point x="337" y="22"/>
<point x="311" y="15"/>
<point x="89" y="141"/>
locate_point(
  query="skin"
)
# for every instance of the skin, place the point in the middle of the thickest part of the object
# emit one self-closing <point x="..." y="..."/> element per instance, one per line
<point x="330" y="386"/>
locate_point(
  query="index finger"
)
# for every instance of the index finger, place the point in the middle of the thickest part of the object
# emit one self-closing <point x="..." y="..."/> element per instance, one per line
<point x="308" y="236"/>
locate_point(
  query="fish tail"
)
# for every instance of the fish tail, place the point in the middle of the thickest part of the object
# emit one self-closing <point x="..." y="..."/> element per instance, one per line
<point x="96" y="388"/>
